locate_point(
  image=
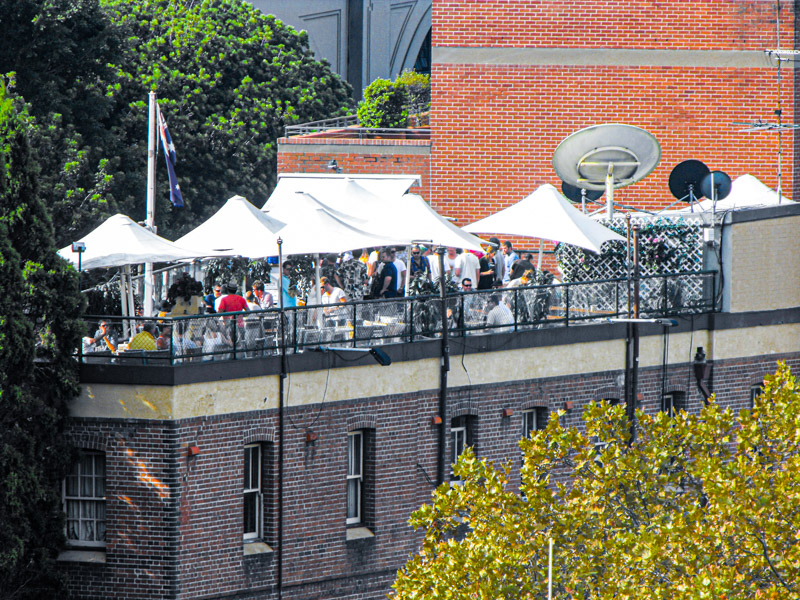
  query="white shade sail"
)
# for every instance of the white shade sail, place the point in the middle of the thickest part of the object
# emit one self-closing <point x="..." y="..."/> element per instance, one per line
<point x="236" y="229"/>
<point x="747" y="191"/>
<point x="546" y="214"/>
<point x="403" y="218"/>
<point x="320" y="185"/>
<point x="121" y="241"/>
<point x="312" y="228"/>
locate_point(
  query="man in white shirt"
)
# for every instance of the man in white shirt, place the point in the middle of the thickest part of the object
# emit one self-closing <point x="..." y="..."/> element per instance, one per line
<point x="499" y="318"/>
<point x="467" y="266"/>
<point x="330" y="293"/>
<point x="509" y="256"/>
<point x="401" y="273"/>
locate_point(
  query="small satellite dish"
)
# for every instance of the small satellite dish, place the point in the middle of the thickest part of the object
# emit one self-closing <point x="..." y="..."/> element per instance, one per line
<point x="716" y="185"/>
<point x="606" y="157"/>
<point x="684" y="181"/>
<point x="577" y="194"/>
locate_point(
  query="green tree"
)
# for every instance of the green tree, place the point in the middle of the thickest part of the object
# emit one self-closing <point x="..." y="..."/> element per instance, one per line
<point x="58" y="53"/>
<point x="228" y="78"/>
<point x="39" y="330"/>
<point x="384" y="106"/>
<point x="699" y="506"/>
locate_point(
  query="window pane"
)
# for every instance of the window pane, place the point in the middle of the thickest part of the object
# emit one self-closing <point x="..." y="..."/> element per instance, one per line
<point x="255" y="467"/>
<point x="100" y="475"/>
<point x="353" y="498"/>
<point x="251" y="512"/>
<point x="87" y="510"/>
<point x="72" y="530"/>
<point x="354" y="455"/>
<point x="87" y="531"/>
<point x="86" y="486"/>
<point x="72" y="485"/>
<point x="247" y="483"/>
<point x="101" y="531"/>
<point x="73" y="509"/>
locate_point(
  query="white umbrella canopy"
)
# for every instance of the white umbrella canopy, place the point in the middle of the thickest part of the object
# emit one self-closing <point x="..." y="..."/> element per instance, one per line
<point x="411" y="218"/>
<point x="312" y="228"/>
<point x="236" y="229"/>
<point x="547" y="214"/>
<point x="322" y="185"/>
<point x="120" y="241"/>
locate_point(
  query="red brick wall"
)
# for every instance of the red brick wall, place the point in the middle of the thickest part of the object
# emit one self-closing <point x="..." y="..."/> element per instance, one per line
<point x="495" y="126"/>
<point x="175" y="523"/>
<point x="692" y="24"/>
<point x="353" y="156"/>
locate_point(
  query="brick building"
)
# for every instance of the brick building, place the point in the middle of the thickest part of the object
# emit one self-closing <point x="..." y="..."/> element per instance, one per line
<point x="511" y="80"/>
<point x="180" y="493"/>
<point x="185" y="461"/>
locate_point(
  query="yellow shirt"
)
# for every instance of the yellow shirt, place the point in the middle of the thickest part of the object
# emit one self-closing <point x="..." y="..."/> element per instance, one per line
<point x="143" y="340"/>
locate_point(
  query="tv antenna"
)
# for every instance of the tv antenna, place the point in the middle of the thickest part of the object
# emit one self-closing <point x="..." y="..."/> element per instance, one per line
<point x="606" y="157"/>
<point x="780" y="56"/>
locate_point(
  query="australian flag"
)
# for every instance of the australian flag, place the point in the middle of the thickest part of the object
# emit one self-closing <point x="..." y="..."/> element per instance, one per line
<point x="169" y="155"/>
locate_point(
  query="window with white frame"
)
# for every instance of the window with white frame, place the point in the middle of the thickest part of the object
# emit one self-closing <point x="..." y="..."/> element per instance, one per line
<point x="755" y="392"/>
<point x="253" y="498"/>
<point x="355" y="476"/>
<point x="672" y="403"/>
<point x="84" y="496"/>
<point x="533" y="419"/>
<point x="460" y="437"/>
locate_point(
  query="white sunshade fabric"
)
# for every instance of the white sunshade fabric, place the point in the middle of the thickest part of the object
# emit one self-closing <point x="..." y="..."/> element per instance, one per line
<point x="320" y="185"/>
<point x="237" y="229"/>
<point x="120" y="241"/>
<point x="546" y="214"/>
<point x="404" y="218"/>
<point x="312" y="228"/>
<point x="747" y="191"/>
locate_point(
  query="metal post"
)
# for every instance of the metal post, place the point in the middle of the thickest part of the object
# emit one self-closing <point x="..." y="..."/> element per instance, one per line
<point x="550" y="569"/>
<point x="150" y="217"/>
<point x="445" y="367"/>
<point x="281" y="440"/>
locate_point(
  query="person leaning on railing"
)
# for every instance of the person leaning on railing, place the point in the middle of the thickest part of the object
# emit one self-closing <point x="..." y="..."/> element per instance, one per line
<point x="104" y="339"/>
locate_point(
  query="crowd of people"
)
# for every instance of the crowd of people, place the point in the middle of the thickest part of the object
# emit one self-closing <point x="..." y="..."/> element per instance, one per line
<point x="375" y="273"/>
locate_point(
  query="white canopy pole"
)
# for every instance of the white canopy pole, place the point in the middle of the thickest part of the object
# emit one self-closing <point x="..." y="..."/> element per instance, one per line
<point x="123" y="296"/>
<point x="131" y="303"/>
<point x="408" y="269"/>
<point x="150" y="220"/>
<point x="318" y="294"/>
<point x="541" y="251"/>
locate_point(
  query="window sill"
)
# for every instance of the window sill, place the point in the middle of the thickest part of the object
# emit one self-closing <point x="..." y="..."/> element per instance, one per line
<point x="359" y="533"/>
<point x="251" y="548"/>
<point x="83" y="556"/>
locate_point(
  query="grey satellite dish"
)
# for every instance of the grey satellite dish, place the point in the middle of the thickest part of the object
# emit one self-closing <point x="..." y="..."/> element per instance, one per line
<point x="606" y="157"/>
<point x="581" y="195"/>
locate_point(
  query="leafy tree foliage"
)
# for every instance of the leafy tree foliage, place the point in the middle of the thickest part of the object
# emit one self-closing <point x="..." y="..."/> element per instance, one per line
<point x="39" y="328"/>
<point x="58" y="52"/>
<point x="228" y="79"/>
<point x="384" y="106"/>
<point x="699" y="506"/>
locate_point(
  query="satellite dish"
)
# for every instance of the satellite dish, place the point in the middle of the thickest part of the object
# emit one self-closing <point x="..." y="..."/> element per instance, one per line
<point x="587" y="157"/>
<point x="716" y="185"/>
<point x="606" y="157"/>
<point x="577" y="194"/>
<point x="684" y="181"/>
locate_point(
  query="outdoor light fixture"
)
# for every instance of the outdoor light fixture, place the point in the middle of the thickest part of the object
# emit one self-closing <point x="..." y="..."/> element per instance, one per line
<point x="379" y="355"/>
<point x="334" y="166"/>
<point x="80" y="248"/>
<point x="702" y="370"/>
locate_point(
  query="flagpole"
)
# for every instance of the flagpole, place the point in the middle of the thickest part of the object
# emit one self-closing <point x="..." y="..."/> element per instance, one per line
<point x="150" y="220"/>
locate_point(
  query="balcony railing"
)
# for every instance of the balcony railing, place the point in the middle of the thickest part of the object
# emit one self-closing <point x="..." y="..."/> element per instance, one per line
<point x="233" y="336"/>
<point x="346" y="127"/>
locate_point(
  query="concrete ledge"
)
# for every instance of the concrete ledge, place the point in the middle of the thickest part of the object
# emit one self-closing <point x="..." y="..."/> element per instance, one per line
<point x="253" y="548"/>
<point x="97" y="557"/>
<point x="359" y="533"/>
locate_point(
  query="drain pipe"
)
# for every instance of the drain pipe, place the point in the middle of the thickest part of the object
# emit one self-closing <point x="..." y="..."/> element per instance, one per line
<point x="444" y="368"/>
<point x="281" y="379"/>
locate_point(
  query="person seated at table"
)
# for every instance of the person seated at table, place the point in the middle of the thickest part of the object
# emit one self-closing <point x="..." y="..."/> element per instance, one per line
<point x="104" y="339"/>
<point x="330" y="293"/>
<point x="499" y="314"/>
<point x="250" y="298"/>
<point x="163" y="340"/>
<point x="145" y="339"/>
<point x="262" y="297"/>
<point x="523" y="280"/>
<point x="182" y="346"/>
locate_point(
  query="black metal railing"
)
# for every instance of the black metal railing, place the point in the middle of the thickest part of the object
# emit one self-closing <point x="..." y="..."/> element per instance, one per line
<point x="232" y="336"/>
<point x="345" y="127"/>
